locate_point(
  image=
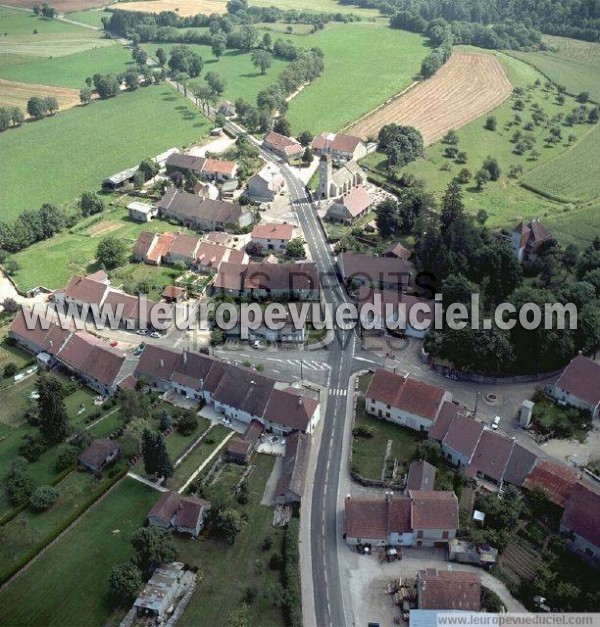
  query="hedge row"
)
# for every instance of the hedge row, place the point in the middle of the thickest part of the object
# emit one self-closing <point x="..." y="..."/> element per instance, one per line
<point x="291" y="573"/>
<point x="60" y="528"/>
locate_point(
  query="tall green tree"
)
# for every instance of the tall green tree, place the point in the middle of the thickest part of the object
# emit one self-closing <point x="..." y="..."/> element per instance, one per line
<point x="262" y="59"/>
<point x="112" y="252"/>
<point x="51" y="408"/>
<point x="152" y="546"/>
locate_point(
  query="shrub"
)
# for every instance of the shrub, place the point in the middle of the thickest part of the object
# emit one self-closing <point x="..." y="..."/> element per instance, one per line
<point x="42" y="498"/>
<point x="33" y="446"/>
<point x="363" y="431"/>
<point x="66" y="457"/>
<point x="10" y="370"/>
<point x="187" y="423"/>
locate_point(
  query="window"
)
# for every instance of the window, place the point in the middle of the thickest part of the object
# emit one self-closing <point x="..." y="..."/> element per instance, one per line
<point x="419" y="535"/>
<point x="445" y="535"/>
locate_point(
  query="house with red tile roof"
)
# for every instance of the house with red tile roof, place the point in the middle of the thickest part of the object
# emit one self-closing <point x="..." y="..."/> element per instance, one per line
<point x="174" y="294"/>
<point x="240" y="449"/>
<point x="554" y="479"/>
<point x="286" y="147"/>
<point x="579" y="385"/>
<point x="208" y="169"/>
<point x="339" y="146"/>
<point x="381" y="273"/>
<point x="273" y="236"/>
<point x="461" y="440"/>
<point x="527" y="240"/>
<point x="397" y="251"/>
<point x="210" y="257"/>
<point x="421" y="518"/>
<point x="185" y="514"/>
<point x="266" y="184"/>
<point x="448" y="590"/>
<point x="288" y="410"/>
<point x="404" y="401"/>
<point x="98" y="454"/>
<point x="434" y="517"/>
<point x="350" y="206"/>
<point x="421" y="476"/>
<point x="82" y="290"/>
<point x="580" y="522"/>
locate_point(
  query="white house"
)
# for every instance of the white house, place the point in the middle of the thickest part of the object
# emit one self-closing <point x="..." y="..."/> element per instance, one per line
<point x="266" y="183"/>
<point x="273" y="236"/>
<point x="579" y="385"/>
<point x="404" y="401"/>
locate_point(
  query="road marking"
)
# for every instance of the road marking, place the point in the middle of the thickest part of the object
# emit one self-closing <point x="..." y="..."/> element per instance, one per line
<point x="338" y="392"/>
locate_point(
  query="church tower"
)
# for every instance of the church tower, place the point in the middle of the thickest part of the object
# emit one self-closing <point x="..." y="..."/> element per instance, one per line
<point x="325" y="176"/>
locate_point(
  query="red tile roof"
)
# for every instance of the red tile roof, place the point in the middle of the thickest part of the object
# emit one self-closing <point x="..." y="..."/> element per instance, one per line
<point x="295" y="463"/>
<point x="190" y="511"/>
<point x="218" y="166"/>
<point x="582" y="512"/>
<point x="356" y="201"/>
<point x="211" y="255"/>
<point x="336" y="141"/>
<point x="97" y="452"/>
<point x="143" y="244"/>
<point x="396" y="250"/>
<point x="434" y="510"/>
<point x="172" y="292"/>
<point x="273" y="231"/>
<point x="184" y="245"/>
<point x="375" y="270"/>
<point x="449" y="590"/>
<point x="556" y="480"/>
<point x="519" y="465"/>
<point x="448" y="410"/>
<point x="161" y="247"/>
<point x="405" y="394"/>
<point x="85" y="290"/>
<point x="373" y="518"/>
<point x="421" y="476"/>
<point x="291" y="409"/>
<point x="581" y="378"/>
<point x="281" y="143"/>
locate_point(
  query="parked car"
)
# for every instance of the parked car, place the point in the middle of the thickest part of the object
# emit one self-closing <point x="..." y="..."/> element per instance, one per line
<point x="155" y="334"/>
<point x="256" y="344"/>
<point x="142" y="331"/>
<point x="496" y="422"/>
<point x="114" y="343"/>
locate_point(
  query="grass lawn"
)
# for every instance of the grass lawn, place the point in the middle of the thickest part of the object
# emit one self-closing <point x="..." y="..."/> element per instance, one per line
<point x="568" y="177"/>
<point x="70" y="70"/>
<point x="570" y="62"/>
<point x="229" y="570"/>
<point x="75" y="252"/>
<point x="365" y="64"/>
<point x="30" y="528"/>
<point x="158" y="277"/>
<point x="71" y="579"/>
<point x="243" y="79"/>
<point x="578" y="226"/>
<point x="505" y="200"/>
<point x="72" y="152"/>
<point x="199" y="455"/>
<point x="326" y="6"/>
<point x="92" y="17"/>
<point x="368" y="453"/>
<point x="19" y="25"/>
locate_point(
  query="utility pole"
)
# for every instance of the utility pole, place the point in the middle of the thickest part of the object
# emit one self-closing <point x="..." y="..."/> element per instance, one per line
<point x="476" y="402"/>
<point x="301" y="364"/>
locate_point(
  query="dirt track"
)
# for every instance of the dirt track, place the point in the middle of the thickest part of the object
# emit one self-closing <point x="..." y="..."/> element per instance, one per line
<point x="183" y="7"/>
<point x="17" y="94"/>
<point x="468" y="86"/>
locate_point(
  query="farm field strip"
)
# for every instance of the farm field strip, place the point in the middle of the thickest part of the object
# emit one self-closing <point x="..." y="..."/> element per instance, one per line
<point x="60" y="5"/>
<point x="467" y="87"/>
<point x="184" y="8"/>
<point x="52" y="48"/>
<point x="13" y="93"/>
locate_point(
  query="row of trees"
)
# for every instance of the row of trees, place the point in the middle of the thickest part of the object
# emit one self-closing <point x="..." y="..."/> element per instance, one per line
<point x="38" y="107"/>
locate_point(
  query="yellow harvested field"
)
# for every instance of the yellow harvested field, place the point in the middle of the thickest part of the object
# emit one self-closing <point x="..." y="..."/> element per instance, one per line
<point x="184" y="8"/>
<point x="465" y="88"/>
<point x="13" y="94"/>
<point x="104" y="228"/>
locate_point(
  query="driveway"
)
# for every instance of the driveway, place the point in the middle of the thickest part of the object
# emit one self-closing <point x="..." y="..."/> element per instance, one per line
<point x="366" y="580"/>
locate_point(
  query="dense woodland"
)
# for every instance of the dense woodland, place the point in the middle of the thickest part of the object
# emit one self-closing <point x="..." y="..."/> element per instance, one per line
<point x="580" y="20"/>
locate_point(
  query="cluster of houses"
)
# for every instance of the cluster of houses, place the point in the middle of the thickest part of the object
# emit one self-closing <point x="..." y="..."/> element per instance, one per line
<point x="485" y="455"/>
<point x="98" y="365"/>
<point x="197" y="254"/>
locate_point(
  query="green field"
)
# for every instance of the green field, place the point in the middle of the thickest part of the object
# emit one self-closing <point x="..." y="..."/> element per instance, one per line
<point x="74" y="253"/>
<point x="71" y="580"/>
<point x="578" y="226"/>
<point x="92" y="17"/>
<point x="572" y="63"/>
<point x="568" y="177"/>
<point x="19" y="26"/>
<point x="505" y="201"/>
<point x="243" y="79"/>
<point x="365" y="64"/>
<point x="66" y="71"/>
<point x="328" y="6"/>
<point x="72" y="152"/>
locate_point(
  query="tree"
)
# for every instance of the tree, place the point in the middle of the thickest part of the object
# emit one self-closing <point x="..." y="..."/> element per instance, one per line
<point x="464" y="176"/>
<point x="216" y="82"/>
<point x="461" y="157"/>
<point x="307" y="155"/>
<point x="132" y="80"/>
<point x="450" y="138"/>
<point x="85" y="96"/>
<point x="42" y="498"/>
<point x="282" y="126"/>
<point x="583" y="97"/>
<point x="140" y="56"/>
<point x="161" y="56"/>
<point x="491" y="123"/>
<point x="187" y="422"/>
<point x="134" y="405"/>
<point x="156" y="457"/>
<point x="4" y="119"/>
<point x="229" y="523"/>
<point x="218" y="46"/>
<point x="125" y="582"/>
<point x="491" y="165"/>
<point x="401" y="144"/>
<point x="67" y="457"/>
<point x="262" y="59"/>
<point x="10" y="369"/>
<point x="107" y="85"/>
<point x="51" y="408"/>
<point x="112" y="252"/>
<point x="305" y="138"/>
<point x="267" y="41"/>
<point x="217" y="337"/>
<point x="36" y="107"/>
<point x="183" y="59"/>
<point x="295" y="248"/>
<point x="152" y="546"/>
<point x="51" y="104"/>
<point x="90" y="203"/>
<point x="482" y="177"/>
<point x="149" y="168"/>
<point x="19" y="485"/>
<point x="247" y="36"/>
<point x="387" y="217"/>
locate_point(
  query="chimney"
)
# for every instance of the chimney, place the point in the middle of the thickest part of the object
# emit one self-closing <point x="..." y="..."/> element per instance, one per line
<point x="299" y="400"/>
<point x="162" y="362"/>
<point x="185" y="357"/>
